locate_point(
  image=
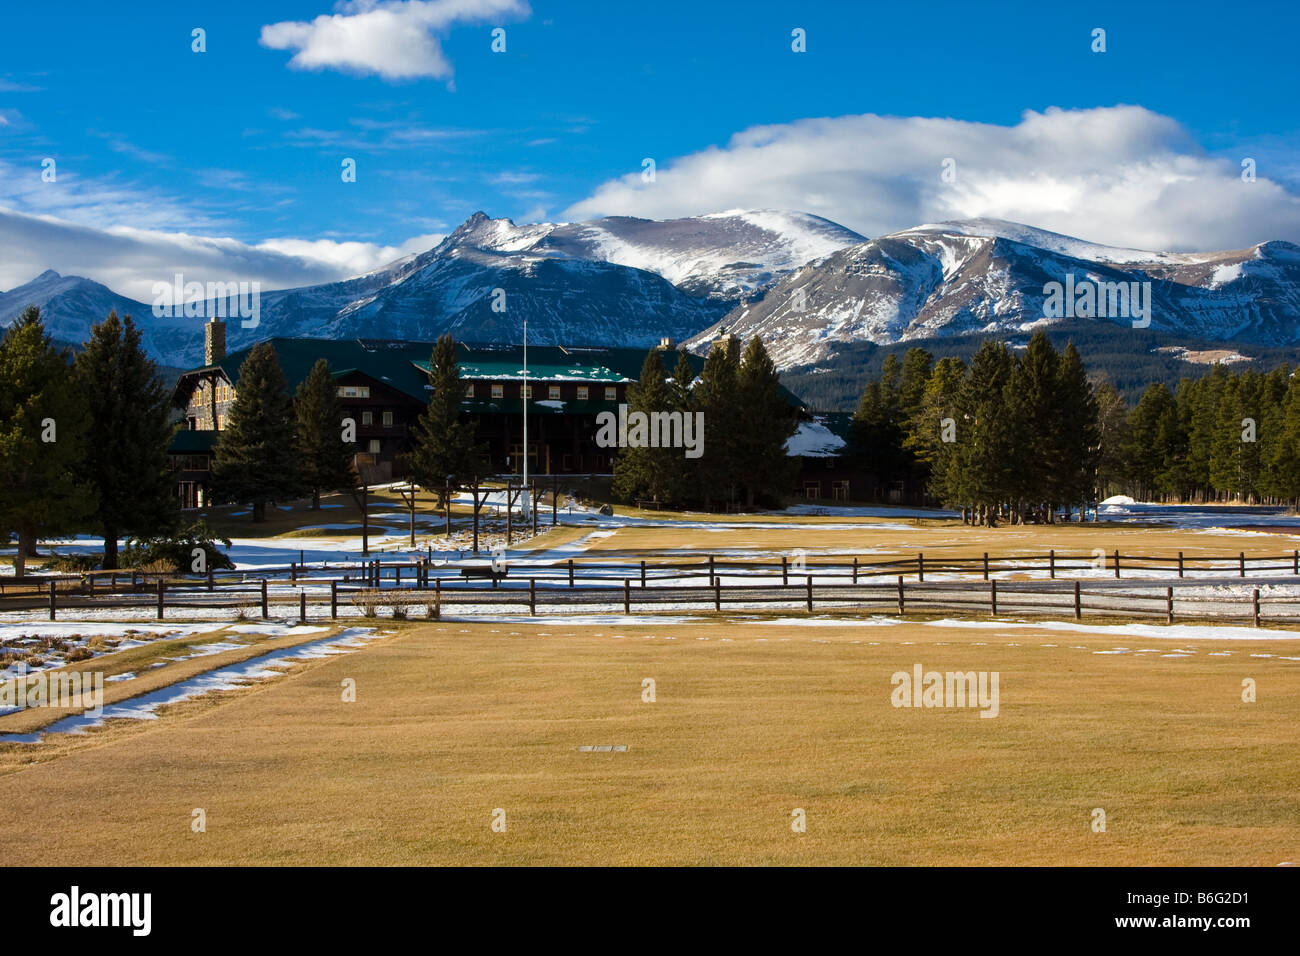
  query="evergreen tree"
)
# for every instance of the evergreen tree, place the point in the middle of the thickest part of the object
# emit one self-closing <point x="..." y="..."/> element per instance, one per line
<point x="934" y="429"/>
<point x="254" y="456"/>
<point x="443" y="449"/>
<point x="324" y="457"/>
<point x="1034" y="408"/>
<point x="768" y="422"/>
<point x="130" y="417"/>
<point x="1078" y="433"/>
<point x="716" y="396"/>
<point x="683" y="473"/>
<point x="1112" y="434"/>
<point x="43" y="429"/>
<point x="645" y="472"/>
<point x="986" y="465"/>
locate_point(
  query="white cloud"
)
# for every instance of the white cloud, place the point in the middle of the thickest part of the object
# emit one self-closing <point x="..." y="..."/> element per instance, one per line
<point x="130" y="260"/>
<point x="396" y="40"/>
<point x="1119" y="175"/>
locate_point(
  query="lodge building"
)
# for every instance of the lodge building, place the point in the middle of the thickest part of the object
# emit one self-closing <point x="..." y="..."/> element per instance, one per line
<point x="383" y="386"/>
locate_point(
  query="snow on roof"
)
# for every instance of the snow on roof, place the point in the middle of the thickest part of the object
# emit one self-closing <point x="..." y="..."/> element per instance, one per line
<point x="814" y="440"/>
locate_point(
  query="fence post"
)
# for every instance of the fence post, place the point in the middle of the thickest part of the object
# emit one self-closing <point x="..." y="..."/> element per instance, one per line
<point x="627" y="595"/>
<point x="437" y="596"/>
<point x="785" y="579"/>
<point x="133" y="584"/>
<point x="265" y="609"/>
<point x="717" y="594"/>
<point x="1117" y="562"/>
<point x="1180" y="564"/>
<point x="993" y="597"/>
<point x="1241" y="557"/>
<point x="1254" y="600"/>
<point x="302" y="607"/>
<point x="334" y="599"/>
<point x="293" y="571"/>
<point x="1078" y="606"/>
<point x="710" y="567"/>
<point x="986" y="565"/>
<point x="161" y="586"/>
<point x="52" y="600"/>
<point x="397" y="575"/>
<point x="901" y="608"/>
<point x="1169" y="605"/>
<point x="643" y="573"/>
<point x="532" y="597"/>
<point x="855" y="570"/>
<point x="211" y="583"/>
<point x="810" y="594"/>
<point x="920" y="566"/>
<point x="570" y="572"/>
<point x="1295" y="562"/>
<point x="1051" y="563"/>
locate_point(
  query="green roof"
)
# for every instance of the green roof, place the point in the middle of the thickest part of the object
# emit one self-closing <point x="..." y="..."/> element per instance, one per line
<point x="404" y="365"/>
<point x="191" y="441"/>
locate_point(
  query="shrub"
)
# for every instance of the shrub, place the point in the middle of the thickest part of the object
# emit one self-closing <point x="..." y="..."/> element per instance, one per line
<point x="72" y="563"/>
<point x="178" y="549"/>
<point x="78" y="654"/>
<point x="368" y="601"/>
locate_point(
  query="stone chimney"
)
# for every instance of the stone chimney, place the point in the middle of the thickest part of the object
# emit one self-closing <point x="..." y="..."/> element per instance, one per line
<point x="214" y="341"/>
<point x="666" y="343"/>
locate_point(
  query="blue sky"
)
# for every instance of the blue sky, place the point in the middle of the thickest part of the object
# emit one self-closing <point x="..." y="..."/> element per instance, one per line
<point x="243" y="143"/>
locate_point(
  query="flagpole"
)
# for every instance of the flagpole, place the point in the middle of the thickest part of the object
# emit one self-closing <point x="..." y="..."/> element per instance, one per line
<point x="523" y="494"/>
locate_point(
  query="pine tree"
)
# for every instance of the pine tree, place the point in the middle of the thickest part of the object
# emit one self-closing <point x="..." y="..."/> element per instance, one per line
<point x="683" y="473"/>
<point x="443" y="451"/>
<point x="934" y="429"/>
<point x="768" y="422"/>
<point x="642" y="471"/>
<point x="43" y="430"/>
<point x="324" y="457"/>
<point x="1077" y="447"/>
<point x="716" y="396"/>
<point x="986" y="463"/>
<point x="254" y="456"/>
<point x="130" y="417"/>
<point x="1035" y="406"/>
<point x="1112" y="433"/>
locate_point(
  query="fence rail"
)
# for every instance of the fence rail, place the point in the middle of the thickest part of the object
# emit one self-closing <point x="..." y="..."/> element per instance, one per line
<point x="831" y="587"/>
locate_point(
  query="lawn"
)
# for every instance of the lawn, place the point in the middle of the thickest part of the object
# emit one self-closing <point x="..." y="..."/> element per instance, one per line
<point x="453" y="721"/>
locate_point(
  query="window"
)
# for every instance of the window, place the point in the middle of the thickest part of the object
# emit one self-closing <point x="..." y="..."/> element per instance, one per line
<point x="553" y="391"/>
<point x="582" y="393"/>
<point x="354" y="391"/>
<point x="611" y="393"/>
<point x="525" y="391"/>
<point x="367" y="418"/>
<point x="498" y="391"/>
<point x="374" y="446"/>
<point x="388" y="419"/>
<point x="469" y="390"/>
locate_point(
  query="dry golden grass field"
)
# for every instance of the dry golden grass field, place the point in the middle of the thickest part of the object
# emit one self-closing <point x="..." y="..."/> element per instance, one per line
<point x="751" y="721"/>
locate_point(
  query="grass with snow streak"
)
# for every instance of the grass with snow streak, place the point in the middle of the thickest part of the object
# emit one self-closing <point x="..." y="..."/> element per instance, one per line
<point x="456" y="719"/>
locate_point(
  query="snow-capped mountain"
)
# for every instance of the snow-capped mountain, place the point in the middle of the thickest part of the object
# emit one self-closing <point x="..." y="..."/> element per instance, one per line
<point x="617" y="281"/>
<point x="806" y="285"/>
<point x="988" y="277"/>
<point x="70" y="305"/>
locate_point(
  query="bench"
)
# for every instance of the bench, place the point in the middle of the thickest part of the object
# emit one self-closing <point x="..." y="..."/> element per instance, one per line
<point x="484" y="571"/>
